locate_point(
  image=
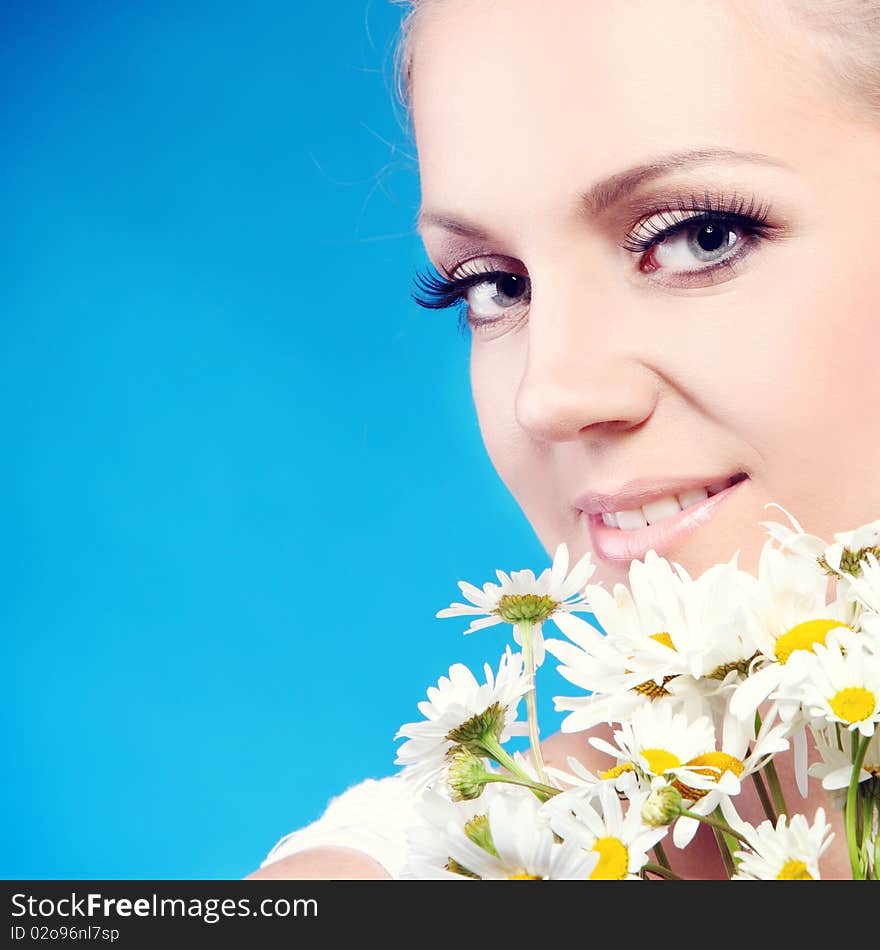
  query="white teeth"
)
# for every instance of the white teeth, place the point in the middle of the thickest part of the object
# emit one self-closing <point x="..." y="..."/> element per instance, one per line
<point x="656" y="511"/>
<point x="632" y="519"/>
<point x="692" y="496"/>
<point x="661" y="508"/>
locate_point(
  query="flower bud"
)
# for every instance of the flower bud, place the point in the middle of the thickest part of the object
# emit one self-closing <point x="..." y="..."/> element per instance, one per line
<point x="467" y="775"/>
<point x="662" y="806"/>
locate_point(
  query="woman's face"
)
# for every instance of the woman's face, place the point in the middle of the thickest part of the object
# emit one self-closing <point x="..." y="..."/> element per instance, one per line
<point x="745" y="342"/>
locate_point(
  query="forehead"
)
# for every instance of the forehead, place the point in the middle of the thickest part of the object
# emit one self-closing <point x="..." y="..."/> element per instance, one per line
<point x="539" y="98"/>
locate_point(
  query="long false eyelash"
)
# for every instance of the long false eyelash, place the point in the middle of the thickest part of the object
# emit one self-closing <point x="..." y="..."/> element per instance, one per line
<point x="662" y="221"/>
<point x="443" y="291"/>
<point x="438" y="292"/>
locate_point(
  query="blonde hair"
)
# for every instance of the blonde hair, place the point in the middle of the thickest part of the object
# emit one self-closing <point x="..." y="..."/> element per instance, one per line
<point x="845" y="35"/>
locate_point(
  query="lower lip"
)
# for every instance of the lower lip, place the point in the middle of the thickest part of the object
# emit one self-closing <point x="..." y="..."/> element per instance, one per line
<point x="619" y="546"/>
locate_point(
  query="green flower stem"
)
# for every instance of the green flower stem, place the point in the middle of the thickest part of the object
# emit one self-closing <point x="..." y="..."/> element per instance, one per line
<point x="772" y="778"/>
<point x="776" y="789"/>
<point x="766" y="804"/>
<point x="660" y="854"/>
<point x="852" y="807"/>
<point x="724" y="851"/>
<point x="495" y="751"/>
<point x="866" y="818"/>
<point x="664" y="872"/>
<point x="863" y="816"/>
<point x="542" y="791"/>
<point x="716" y="823"/>
<point x="876" y="875"/>
<point x="730" y="842"/>
<point x="525" y="630"/>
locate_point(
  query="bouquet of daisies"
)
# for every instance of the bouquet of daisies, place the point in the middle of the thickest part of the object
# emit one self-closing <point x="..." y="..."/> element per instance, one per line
<point x="705" y="691"/>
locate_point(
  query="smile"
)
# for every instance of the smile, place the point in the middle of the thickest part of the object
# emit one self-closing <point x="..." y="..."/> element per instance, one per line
<point x="660" y="524"/>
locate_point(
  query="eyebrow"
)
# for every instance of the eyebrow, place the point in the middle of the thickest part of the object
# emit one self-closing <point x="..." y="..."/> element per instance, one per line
<point x="608" y="192"/>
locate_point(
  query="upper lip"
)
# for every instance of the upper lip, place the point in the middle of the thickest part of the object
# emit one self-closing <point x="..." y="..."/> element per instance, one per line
<point x="641" y="491"/>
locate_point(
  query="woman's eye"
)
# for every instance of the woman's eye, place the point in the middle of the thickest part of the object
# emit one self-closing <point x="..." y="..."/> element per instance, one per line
<point x="492" y="298"/>
<point x="693" y="246"/>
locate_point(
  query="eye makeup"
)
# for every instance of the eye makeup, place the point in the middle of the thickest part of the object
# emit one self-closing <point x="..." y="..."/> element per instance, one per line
<point x="700" y="219"/>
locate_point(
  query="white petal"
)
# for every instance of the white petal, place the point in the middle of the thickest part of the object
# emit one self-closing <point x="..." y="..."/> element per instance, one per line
<point x="683" y="831"/>
<point x="751" y="693"/>
<point x="473" y="594"/>
<point x="485" y="622"/>
<point x="560" y="565"/>
<point x="579" y="631"/>
<point x="459" y="610"/>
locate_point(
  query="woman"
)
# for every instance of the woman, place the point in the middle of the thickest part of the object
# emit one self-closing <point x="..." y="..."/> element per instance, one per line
<point x="660" y="219"/>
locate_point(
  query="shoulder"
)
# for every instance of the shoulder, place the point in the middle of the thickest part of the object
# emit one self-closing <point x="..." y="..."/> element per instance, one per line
<point x="322" y="864"/>
<point x="558" y="747"/>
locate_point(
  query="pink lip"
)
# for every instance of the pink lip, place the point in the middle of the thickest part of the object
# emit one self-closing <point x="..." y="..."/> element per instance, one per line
<point x="617" y="545"/>
<point x="641" y="491"/>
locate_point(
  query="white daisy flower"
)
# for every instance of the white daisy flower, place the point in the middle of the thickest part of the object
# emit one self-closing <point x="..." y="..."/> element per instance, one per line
<point x="788" y="852"/>
<point x="842" y="685"/>
<point x="742" y="753"/>
<point x="457" y="701"/>
<point x="621" y="841"/>
<point x="661" y="639"/>
<point x="703" y="617"/>
<point x="835" y="765"/>
<point x="841" y="556"/>
<point x="602" y="667"/>
<point x="659" y="743"/>
<point x="843" y="559"/>
<point x="865" y="592"/>
<point x="789" y="617"/>
<point x="522" y="597"/>
<point x="510" y="840"/>
<point x="426" y="834"/>
<point x="622" y="778"/>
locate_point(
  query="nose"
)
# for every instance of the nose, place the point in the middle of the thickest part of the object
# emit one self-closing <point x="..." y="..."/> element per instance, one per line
<point x="583" y="375"/>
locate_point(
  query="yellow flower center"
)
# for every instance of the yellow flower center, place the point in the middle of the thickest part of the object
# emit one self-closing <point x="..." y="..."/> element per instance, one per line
<point x="652" y="689"/>
<point x="720" y="760"/>
<point x="741" y="666"/>
<point x="525" y="876"/>
<point x="722" y="763"/>
<point x="663" y="638"/>
<point x="853" y="704"/>
<point x="660" y="761"/>
<point x="617" y="771"/>
<point x="613" y="860"/>
<point x="804" y="636"/>
<point x="794" y="870"/>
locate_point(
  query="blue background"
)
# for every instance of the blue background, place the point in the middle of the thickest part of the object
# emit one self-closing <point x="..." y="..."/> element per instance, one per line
<point x="243" y="469"/>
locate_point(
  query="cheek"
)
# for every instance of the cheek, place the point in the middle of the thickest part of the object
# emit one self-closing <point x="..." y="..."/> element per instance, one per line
<point x="827" y="384"/>
<point x="810" y="386"/>
<point x="496" y="371"/>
